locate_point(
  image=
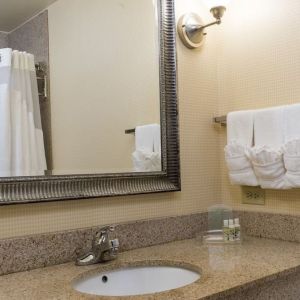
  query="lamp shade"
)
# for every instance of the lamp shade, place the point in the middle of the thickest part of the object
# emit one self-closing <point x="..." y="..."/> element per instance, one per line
<point x="215" y="3"/>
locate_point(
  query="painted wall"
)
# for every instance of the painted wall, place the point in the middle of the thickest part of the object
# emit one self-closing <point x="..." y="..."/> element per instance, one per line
<point x="199" y="160"/>
<point x="259" y="66"/>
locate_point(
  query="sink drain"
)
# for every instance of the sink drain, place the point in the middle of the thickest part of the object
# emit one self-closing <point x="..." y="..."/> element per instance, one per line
<point x="104" y="279"/>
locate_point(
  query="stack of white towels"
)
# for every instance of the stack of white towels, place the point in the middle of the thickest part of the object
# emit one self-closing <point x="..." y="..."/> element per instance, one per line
<point x="263" y="147"/>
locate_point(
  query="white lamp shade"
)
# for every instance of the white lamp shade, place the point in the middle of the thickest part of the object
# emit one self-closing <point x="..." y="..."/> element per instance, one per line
<point x="215" y="3"/>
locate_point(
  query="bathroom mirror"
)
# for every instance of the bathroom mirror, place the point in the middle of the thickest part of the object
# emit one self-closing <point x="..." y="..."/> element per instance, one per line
<point x="89" y="99"/>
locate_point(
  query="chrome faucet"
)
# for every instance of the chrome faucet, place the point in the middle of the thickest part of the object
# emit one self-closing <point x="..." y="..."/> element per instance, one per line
<point x="103" y="249"/>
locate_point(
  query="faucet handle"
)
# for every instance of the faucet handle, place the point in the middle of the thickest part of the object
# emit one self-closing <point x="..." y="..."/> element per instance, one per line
<point x="115" y="244"/>
<point x="102" y="235"/>
<point x="107" y="229"/>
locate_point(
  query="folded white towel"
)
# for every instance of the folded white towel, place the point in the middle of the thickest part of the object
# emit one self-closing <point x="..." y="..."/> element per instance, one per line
<point x="291" y="155"/>
<point x="147" y="155"/>
<point x="266" y="156"/>
<point x="291" y="149"/>
<point x="239" y="139"/>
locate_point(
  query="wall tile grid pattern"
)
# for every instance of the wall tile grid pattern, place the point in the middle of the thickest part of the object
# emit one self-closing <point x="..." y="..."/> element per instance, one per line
<point x="240" y="67"/>
<point x="258" y="66"/>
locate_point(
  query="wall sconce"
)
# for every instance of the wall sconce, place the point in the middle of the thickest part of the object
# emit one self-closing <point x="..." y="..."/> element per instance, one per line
<point x="191" y="28"/>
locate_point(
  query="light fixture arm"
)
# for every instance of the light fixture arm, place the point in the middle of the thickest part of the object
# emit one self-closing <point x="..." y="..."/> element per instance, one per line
<point x="201" y="27"/>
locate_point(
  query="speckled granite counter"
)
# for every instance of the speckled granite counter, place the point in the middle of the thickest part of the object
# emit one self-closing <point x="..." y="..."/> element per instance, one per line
<point x="225" y="270"/>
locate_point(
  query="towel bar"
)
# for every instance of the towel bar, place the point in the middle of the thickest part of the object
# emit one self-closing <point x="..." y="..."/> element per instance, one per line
<point x="130" y="131"/>
<point x="222" y="120"/>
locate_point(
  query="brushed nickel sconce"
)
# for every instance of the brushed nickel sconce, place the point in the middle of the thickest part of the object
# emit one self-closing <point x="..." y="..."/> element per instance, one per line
<point x="191" y="28"/>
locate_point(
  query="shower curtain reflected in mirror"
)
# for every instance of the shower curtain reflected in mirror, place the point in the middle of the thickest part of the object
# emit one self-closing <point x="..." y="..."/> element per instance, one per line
<point x="22" y="151"/>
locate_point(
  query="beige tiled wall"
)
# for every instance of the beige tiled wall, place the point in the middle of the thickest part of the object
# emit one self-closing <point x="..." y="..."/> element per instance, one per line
<point x="250" y="61"/>
<point x="199" y="158"/>
<point x="259" y="66"/>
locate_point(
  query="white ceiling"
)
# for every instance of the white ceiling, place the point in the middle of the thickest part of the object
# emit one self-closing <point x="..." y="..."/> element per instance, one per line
<point x="15" y="12"/>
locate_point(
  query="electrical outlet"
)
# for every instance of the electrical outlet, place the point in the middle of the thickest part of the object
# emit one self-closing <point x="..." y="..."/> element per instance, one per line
<point x="253" y="195"/>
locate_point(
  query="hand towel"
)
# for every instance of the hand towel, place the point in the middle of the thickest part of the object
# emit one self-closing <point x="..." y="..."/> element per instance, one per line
<point x="240" y="127"/>
<point x="267" y="156"/>
<point x="157" y="138"/>
<point x="291" y="149"/>
<point x="144" y="137"/>
<point x="239" y="139"/>
<point x="268" y="127"/>
<point x="147" y="155"/>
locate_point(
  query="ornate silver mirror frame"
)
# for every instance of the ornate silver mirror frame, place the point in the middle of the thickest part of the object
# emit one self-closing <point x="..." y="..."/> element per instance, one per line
<point x="21" y="190"/>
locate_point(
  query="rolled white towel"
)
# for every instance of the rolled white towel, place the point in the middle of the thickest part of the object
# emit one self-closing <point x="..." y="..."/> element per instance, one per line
<point x="291" y="149"/>
<point x="269" y="167"/>
<point x="291" y="154"/>
<point x="146" y="161"/>
<point x="239" y="165"/>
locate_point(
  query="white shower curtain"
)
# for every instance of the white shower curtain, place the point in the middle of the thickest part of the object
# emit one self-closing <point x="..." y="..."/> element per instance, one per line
<point x="22" y="150"/>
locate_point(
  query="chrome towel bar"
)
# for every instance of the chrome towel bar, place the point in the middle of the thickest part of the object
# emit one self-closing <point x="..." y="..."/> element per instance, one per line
<point x="222" y="120"/>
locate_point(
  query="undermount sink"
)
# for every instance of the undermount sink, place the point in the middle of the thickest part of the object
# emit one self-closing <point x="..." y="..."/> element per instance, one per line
<point x="138" y="280"/>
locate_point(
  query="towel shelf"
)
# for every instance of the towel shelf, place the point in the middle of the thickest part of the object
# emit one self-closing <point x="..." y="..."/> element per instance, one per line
<point x="222" y="120"/>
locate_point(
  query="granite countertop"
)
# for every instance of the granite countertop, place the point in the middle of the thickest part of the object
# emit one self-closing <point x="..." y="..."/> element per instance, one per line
<point x="224" y="269"/>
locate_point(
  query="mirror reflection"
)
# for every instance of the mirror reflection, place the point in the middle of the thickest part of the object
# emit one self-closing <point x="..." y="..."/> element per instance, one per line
<point x="79" y="87"/>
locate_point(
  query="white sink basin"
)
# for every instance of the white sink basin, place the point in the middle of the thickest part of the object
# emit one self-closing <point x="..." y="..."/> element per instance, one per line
<point x="136" y="281"/>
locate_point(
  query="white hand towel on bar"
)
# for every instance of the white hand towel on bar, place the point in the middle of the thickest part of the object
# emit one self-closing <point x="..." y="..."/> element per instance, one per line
<point x="267" y="156"/>
<point x="147" y="155"/>
<point x="291" y="149"/>
<point x="240" y="127"/>
<point x="239" y="139"/>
